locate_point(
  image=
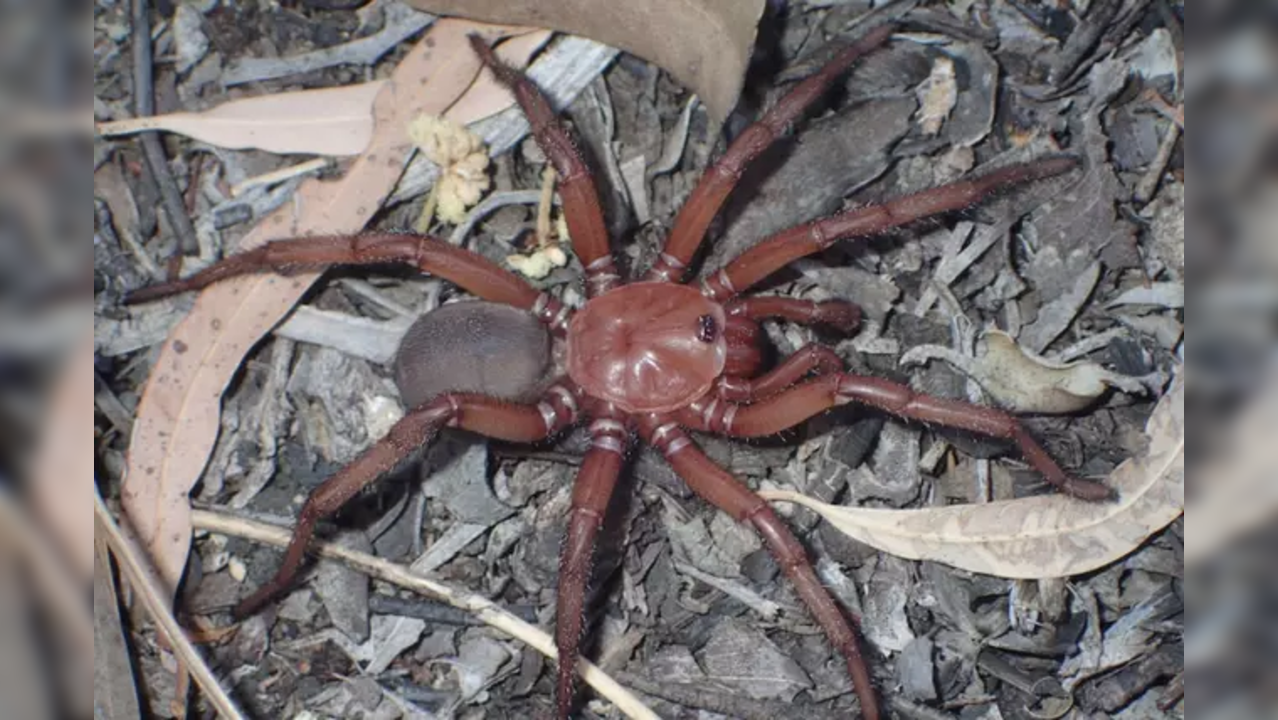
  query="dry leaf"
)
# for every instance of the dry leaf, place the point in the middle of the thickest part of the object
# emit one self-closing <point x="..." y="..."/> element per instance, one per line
<point x="1037" y="537"/>
<point x="937" y="95"/>
<point x="332" y="121"/>
<point x="704" y="44"/>
<point x="1026" y="383"/>
<point x="60" y="474"/>
<point x="178" y="415"/>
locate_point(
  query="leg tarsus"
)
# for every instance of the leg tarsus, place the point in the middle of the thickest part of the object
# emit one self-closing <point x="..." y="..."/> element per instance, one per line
<point x="477" y="413"/>
<point x="902" y="401"/>
<point x="794" y="562"/>
<point x="718" y="487"/>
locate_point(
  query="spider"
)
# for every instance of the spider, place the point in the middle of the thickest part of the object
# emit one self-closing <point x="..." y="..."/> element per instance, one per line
<point x="652" y="358"/>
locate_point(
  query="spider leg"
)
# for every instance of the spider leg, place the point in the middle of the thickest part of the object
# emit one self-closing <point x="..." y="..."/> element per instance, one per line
<point x="473" y="273"/>
<point x="711" y="192"/>
<point x="722" y="490"/>
<point x="812" y="357"/>
<point x="839" y="314"/>
<point x="782" y="248"/>
<point x="739" y="382"/>
<point x="477" y="413"/>
<point x="793" y="406"/>
<point x="582" y="210"/>
<point x="591" y="493"/>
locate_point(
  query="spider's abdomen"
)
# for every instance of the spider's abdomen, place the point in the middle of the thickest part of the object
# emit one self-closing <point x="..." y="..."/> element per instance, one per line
<point x="647" y="347"/>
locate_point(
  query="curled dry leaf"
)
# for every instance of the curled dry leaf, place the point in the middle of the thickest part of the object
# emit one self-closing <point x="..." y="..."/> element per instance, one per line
<point x="1023" y="382"/>
<point x="331" y="121"/>
<point x="178" y="415"/>
<point x="937" y="95"/>
<point x="704" y="44"/>
<point x="1037" y="537"/>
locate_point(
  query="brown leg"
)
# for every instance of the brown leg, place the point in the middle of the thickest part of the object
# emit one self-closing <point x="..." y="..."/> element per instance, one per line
<point x="809" y="358"/>
<point x="777" y="251"/>
<point x="471" y="272"/>
<point x="591" y="493"/>
<point x="576" y="185"/>
<point x="709" y="194"/>
<point x="839" y="314"/>
<point x="801" y="402"/>
<point x="718" y="487"/>
<point x="483" y="415"/>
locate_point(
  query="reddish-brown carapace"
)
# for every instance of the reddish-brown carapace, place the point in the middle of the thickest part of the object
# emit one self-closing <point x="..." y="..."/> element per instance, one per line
<point x="652" y="359"/>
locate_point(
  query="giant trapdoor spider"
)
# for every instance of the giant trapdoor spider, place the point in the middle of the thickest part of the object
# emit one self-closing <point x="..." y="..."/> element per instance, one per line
<point x="654" y="357"/>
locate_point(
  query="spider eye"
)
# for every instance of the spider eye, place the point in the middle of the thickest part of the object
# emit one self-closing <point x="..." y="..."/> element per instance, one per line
<point x="707" y="329"/>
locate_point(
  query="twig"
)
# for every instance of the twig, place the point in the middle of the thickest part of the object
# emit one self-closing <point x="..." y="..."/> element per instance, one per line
<point x="698" y="696"/>
<point x="483" y="608"/>
<point x="492" y="204"/>
<point x="152" y="150"/>
<point x="127" y="554"/>
<point x="544" y="203"/>
<point x="1084" y="38"/>
<point x="278" y="176"/>
<point x="1149" y="182"/>
<point x="435" y="612"/>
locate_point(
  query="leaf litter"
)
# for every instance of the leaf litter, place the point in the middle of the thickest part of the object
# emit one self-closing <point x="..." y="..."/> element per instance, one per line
<point x="1030" y="278"/>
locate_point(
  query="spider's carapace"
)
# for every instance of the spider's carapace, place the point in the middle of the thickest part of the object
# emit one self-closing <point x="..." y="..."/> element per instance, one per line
<point x="644" y="347"/>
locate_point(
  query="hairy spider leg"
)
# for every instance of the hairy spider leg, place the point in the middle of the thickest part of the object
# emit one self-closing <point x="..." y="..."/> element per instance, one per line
<point x="582" y="210"/>
<point x="706" y="199"/>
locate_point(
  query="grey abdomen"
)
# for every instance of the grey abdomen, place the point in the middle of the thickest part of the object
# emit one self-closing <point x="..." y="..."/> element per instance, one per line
<point x="475" y="346"/>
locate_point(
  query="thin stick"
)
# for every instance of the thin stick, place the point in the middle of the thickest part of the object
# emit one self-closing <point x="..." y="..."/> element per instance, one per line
<point x="127" y="554"/>
<point x="544" y="204"/>
<point x="487" y="611"/>
<point x="279" y="176"/>
<point x="144" y="103"/>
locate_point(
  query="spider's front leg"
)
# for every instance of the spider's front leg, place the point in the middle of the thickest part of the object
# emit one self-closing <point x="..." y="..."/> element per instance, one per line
<point x="798" y="403"/>
<point x="477" y="413"/>
<point x="717" y="486"/>
<point x="776" y="251"/>
<point x="739" y="382"/>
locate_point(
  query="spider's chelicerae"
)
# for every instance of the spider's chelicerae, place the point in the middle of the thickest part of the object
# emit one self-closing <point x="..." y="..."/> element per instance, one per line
<point x="651" y="358"/>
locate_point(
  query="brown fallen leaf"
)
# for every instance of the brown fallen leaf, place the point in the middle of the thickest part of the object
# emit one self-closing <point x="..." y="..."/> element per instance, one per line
<point x="704" y="44"/>
<point x="331" y="121"/>
<point x="178" y="415"/>
<point x="1038" y="537"/>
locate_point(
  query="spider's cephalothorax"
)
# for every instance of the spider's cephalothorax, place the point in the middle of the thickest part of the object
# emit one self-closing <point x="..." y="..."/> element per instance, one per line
<point x="655" y="356"/>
